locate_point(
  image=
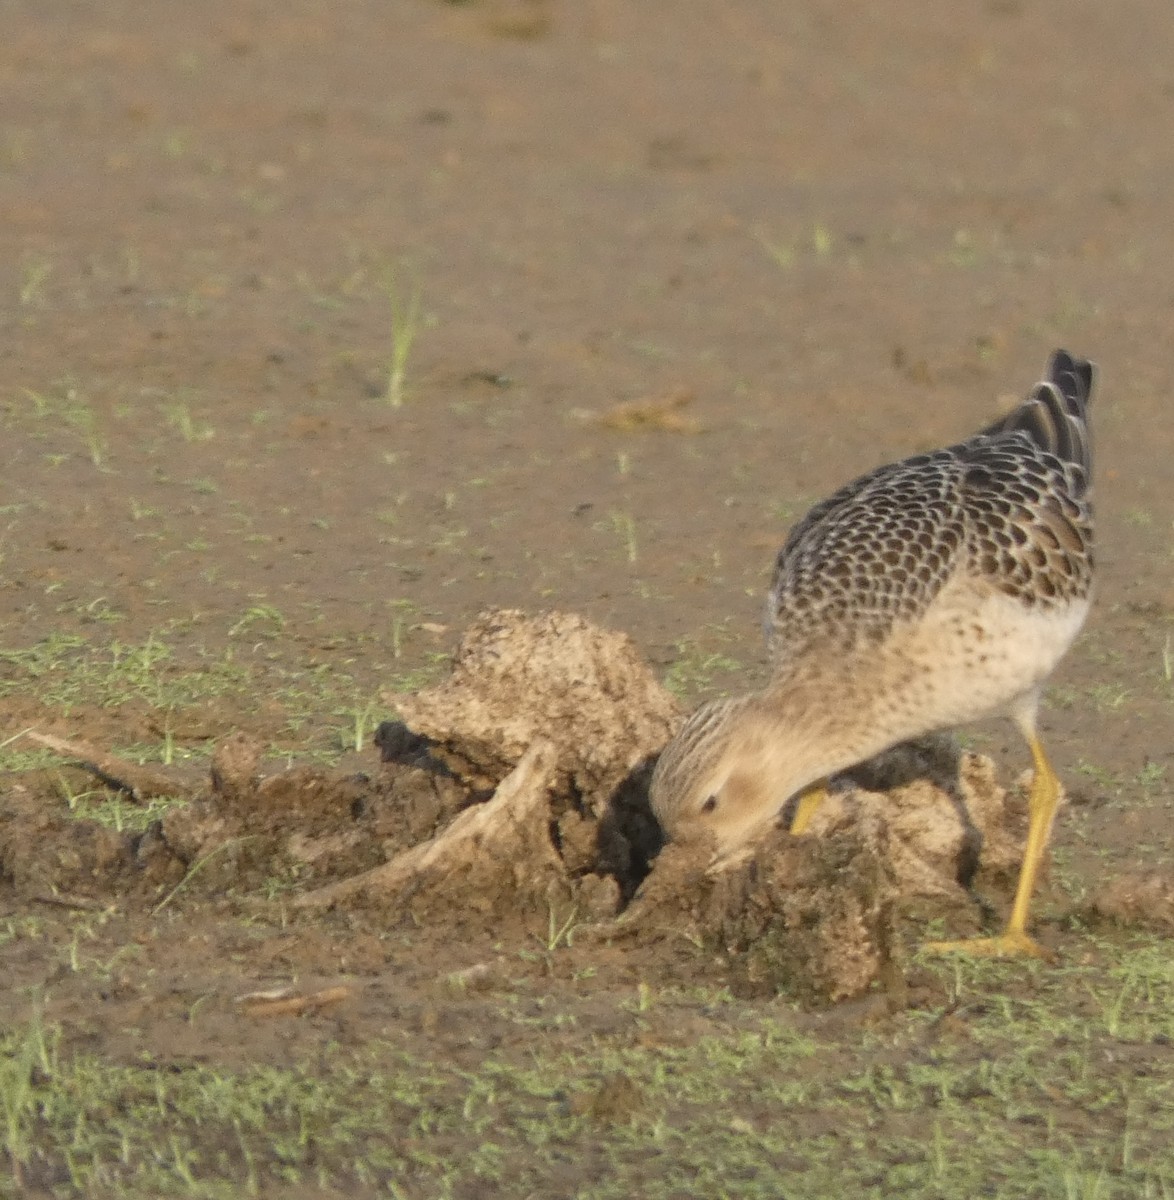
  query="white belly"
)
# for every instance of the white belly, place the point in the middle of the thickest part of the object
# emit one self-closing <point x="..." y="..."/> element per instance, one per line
<point x="966" y="659"/>
<point x="971" y="661"/>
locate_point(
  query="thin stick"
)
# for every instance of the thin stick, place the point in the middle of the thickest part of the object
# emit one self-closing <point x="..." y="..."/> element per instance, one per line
<point x="261" y="1004"/>
<point x="140" y="783"/>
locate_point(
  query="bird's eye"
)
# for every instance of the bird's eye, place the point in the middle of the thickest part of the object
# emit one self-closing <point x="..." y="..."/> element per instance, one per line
<point x="709" y="805"/>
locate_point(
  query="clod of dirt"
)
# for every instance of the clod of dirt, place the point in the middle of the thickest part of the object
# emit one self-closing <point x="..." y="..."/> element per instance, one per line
<point x="946" y="814"/>
<point x="555" y="676"/>
<point x="810" y="916"/>
<point x="1145" y="901"/>
<point x="235" y="766"/>
<point x="48" y="855"/>
<point x="301" y="815"/>
<point x="317" y="822"/>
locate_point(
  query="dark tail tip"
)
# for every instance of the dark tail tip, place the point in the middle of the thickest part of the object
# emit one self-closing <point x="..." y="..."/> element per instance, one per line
<point x="1073" y="378"/>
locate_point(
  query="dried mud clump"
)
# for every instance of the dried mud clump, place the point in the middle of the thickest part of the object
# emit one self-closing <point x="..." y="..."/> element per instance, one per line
<point x="495" y="860"/>
<point x="1143" y="901"/>
<point x="48" y="855"/>
<point x="557" y="722"/>
<point x="518" y="678"/>
<point x="813" y="917"/>
<point x="946" y="815"/>
<point x="310" y="822"/>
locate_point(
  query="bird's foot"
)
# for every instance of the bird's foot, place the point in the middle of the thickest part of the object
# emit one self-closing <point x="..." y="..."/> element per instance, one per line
<point x="1010" y="944"/>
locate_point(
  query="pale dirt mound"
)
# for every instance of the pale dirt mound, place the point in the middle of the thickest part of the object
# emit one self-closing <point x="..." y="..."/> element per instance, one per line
<point x="517" y="790"/>
<point x="518" y="678"/>
<point x="563" y="719"/>
<point x="945" y="812"/>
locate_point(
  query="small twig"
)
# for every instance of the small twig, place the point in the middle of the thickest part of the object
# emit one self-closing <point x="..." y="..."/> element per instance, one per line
<point x="140" y="783"/>
<point x="282" y="1004"/>
<point x="62" y="900"/>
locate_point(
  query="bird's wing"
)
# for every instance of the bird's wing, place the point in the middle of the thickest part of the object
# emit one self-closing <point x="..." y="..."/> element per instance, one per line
<point x="876" y="552"/>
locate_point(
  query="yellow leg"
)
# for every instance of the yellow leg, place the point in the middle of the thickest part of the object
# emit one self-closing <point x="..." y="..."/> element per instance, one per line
<point x="809" y="802"/>
<point x="1015" y="940"/>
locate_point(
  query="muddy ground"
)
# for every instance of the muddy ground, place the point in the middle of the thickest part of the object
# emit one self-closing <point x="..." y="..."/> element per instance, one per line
<point x="669" y="273"/>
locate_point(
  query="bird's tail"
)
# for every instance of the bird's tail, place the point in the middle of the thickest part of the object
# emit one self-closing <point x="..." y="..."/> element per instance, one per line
<point x="1055" y="414"/>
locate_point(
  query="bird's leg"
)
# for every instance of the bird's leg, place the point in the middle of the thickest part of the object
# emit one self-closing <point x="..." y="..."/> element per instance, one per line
<point x="807" y="805"/>
<point x="1015" y="941"/>
<point x="1045" y="795"/>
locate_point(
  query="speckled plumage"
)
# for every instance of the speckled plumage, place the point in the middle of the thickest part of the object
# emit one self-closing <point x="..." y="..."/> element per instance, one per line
<point x="928" y="593"/>
<point x="1009" y="508"/>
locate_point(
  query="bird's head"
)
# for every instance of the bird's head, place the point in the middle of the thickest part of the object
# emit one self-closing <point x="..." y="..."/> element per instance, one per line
<point x="721" y="774"/>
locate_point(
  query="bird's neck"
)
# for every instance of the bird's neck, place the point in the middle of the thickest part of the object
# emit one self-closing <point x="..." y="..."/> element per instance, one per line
<point x="811" y="727"/>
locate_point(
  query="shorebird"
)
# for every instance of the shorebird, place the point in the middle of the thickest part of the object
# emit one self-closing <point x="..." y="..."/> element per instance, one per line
<point x="927" y="594"/>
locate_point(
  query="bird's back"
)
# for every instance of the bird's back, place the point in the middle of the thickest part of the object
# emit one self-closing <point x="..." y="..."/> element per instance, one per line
<point x="1009" y="509"/>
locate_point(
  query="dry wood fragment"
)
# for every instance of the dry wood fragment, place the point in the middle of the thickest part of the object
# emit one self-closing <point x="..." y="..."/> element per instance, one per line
<point x="64" y="900"/>
<point x="140" y="783"/>
<point x="283" y="1004"/>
